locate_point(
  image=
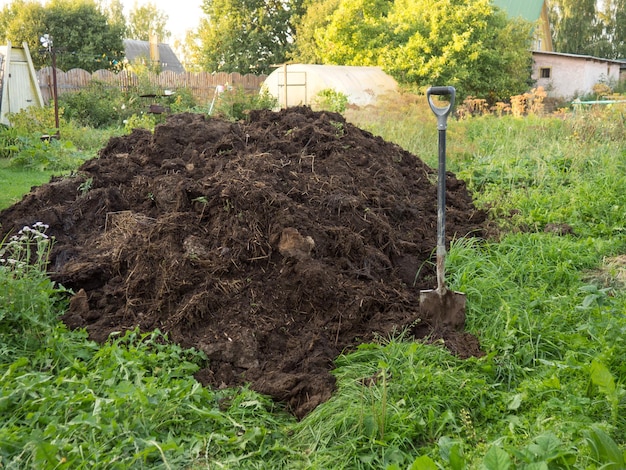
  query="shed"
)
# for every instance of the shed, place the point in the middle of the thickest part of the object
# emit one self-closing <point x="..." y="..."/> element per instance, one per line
<point x="299" y="84"/>
<point x="569" y="76"/>
<point x="18" y="81"/>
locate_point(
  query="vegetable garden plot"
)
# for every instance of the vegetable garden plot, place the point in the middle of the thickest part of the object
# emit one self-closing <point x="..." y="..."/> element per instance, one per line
<point x="272" y="244"/>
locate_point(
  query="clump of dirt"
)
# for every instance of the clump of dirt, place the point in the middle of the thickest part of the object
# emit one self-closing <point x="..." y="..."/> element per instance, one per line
<point x="272" y="244"/>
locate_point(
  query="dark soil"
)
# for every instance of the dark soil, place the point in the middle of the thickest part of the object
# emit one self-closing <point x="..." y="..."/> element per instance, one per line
<point x="272" y="244"/>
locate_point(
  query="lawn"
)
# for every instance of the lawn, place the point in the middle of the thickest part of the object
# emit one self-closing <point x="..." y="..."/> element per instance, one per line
<point x="15" y="182"/>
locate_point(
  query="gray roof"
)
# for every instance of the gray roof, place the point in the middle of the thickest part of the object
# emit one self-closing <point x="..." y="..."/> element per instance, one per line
<point x="135" y="49"/>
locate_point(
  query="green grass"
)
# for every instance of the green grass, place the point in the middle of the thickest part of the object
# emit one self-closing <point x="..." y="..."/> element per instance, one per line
<point x="15" y="182"/>
<point x="548" y="309"/>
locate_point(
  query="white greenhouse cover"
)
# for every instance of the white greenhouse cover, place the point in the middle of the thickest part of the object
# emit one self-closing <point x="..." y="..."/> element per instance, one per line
<point x="362" y="85"/>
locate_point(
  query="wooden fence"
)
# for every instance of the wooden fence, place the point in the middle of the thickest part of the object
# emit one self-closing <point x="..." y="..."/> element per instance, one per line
<point x="201" y="84"/>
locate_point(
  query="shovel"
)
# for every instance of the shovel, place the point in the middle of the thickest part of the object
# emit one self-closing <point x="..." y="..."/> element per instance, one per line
<point x="443" y="307"/>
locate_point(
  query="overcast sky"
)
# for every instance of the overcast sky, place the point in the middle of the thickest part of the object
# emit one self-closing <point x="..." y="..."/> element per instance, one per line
<point x="183" y="14"/>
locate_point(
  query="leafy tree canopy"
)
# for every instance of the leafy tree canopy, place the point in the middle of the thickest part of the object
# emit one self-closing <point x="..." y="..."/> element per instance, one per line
<point x="464" y="43"/>
<point x="588" y="27"/>
<point x="245" y="36"/>
<point x="147" y="20"/>
<point x="82" y="34"/>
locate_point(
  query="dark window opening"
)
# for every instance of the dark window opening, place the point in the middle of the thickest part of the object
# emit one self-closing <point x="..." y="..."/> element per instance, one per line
<point x="545" y="72"/>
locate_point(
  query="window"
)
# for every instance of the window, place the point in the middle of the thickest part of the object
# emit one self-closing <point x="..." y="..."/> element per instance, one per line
<point x="545" y="72"/>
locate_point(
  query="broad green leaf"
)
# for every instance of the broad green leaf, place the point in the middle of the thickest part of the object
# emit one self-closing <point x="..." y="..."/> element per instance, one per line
<point x="423" y="463"/>
<point x="496" y="459"/>
<point x="602" y="377"/>
<point x="515" y="402"/>
<point x="604" y="449"/>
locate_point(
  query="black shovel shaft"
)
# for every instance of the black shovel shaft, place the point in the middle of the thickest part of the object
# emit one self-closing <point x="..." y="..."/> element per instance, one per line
<point x="442" y="124"/>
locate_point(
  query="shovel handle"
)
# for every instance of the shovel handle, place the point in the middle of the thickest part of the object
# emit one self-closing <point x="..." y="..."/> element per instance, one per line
<point x="442" y="119"/>
<point x="441" y="112"/>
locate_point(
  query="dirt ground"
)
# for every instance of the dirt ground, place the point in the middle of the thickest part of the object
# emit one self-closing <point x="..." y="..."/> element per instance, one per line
<point x="272" y="244"/>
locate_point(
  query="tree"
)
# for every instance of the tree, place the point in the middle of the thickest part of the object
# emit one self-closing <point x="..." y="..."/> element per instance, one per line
<point x="464" y="43"/>
<point x="81" y="32"/>
<point x="612" y="44"/>
<point x="115" y="16"/>
<point x="619" y="29"/>
<point x="245" y="36"/>
<point x="316" y="19"/>
<point x="575" y="26"/>
<point x="147" y="20"/>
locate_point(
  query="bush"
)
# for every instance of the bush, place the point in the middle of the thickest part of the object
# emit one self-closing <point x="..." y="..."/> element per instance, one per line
<point x="46" y="154"/>
<point x="8" y="141"/>
<point x="101" y="105"/>
<point x="34" y="120"/>
<point x="234" y="103"/>
<point x="98" y="105"/>
<point x="331" y="100"/>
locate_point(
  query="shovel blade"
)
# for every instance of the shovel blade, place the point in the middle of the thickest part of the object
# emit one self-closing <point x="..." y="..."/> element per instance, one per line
<point x="444" y="310"/>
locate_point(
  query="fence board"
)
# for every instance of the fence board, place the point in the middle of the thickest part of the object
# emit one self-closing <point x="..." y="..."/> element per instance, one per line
<point x="201" y="85"/>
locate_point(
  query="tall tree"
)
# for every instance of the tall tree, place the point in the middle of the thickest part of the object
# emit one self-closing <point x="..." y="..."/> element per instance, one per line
<point x="245" y="36"/>
<point x="576" y="26"/>
<point x="612" y="15"/>
<point x="465" y="43"/>
<point x="619" y="30"/>
<point x="115" y="15"/>
<point x="81" y="32"/>
<point x="147" y="20"/>
<point x="308" y="27"/>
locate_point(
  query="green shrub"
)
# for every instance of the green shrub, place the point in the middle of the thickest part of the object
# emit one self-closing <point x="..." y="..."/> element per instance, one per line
<point x="141" y="121"/>
<point x="46" y="154"/>
<point x="234" y="103"/>
<point x="34" y="120"/>
<point x="181" y="100"/>
<point x="331" y="100"/>
<point x="98" y="105"/>
<point x="8" y="141"/>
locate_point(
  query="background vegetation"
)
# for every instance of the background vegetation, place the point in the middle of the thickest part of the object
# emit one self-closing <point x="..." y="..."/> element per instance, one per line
<point x="465" y="43"/>
<point x="546" y="298"/>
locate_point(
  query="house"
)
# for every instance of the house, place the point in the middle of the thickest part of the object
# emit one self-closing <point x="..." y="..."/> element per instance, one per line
<point x="534" y="11"/>
<point x="568" y="76"/>
<point x="563" y="76"/>
<point x="152" y="52"/>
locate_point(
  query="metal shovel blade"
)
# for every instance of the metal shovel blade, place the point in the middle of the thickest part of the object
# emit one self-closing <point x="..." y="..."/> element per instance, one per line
<point x="441" y="307"/>
<point x="444" y="310"/>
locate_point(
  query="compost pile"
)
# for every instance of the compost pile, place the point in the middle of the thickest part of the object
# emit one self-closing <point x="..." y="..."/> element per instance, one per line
<point x="272" y="244"/>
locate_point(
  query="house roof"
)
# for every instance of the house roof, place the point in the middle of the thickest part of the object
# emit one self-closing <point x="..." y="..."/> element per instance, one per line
<point x="580" y="56"/>
<point x="135" y="49"/>
<point x="529" y="10"/>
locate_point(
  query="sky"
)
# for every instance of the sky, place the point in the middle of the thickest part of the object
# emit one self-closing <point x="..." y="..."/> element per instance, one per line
<point x="183" y="14"/>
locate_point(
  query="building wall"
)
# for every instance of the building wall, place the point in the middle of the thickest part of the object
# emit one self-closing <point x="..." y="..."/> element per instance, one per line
<point x="572" y="76"/>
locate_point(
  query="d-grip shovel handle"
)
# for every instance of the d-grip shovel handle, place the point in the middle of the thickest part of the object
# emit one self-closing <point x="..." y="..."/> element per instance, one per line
<point x="441" y="112"/>
<point x="442" y="119"/>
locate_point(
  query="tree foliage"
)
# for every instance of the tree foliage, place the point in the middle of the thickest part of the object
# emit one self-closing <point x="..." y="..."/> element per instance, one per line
<point x="309" y="30"/>
<point x="574" y="25"/>
<point x="83" y="36"/>
<point x="115" y="16"/>
<point x="589" y="27"/>
<point x="464" y="43"/>
<point x="147" y="20"/>
<point x="245" y="36"/>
